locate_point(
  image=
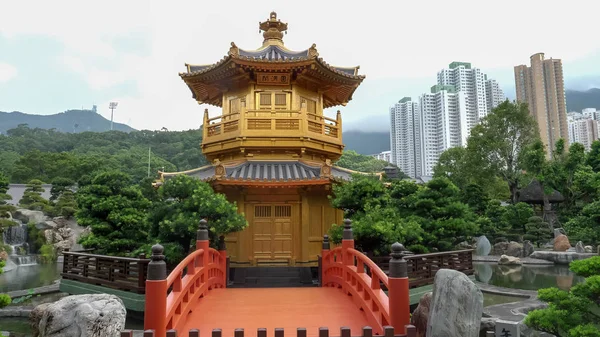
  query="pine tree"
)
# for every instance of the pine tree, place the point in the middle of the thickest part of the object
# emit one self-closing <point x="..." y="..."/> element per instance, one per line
<point x="32" y="197"/>
<point x="5" y="209"/>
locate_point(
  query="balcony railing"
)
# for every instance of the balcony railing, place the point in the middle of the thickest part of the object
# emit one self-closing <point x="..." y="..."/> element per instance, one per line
<point x="281" y="123"/>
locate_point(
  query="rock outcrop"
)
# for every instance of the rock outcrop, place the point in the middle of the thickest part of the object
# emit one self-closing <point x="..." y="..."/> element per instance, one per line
<point x="508" y="248"/>
<point x="456" y="306"/>
<point x="558" y="232"/>
<point x="562" y="258"/>
<point x="509" y="260"/>
<point x="483" y="246"/>
<point x="588" y="249"/>
<point x="561" y="243"/>
<point x="421" y="315"/>
<point x="97" y="315"/>
<point x="28" y="216"/>
<point x="528" y="248"/>
<point x="579" y="247"/>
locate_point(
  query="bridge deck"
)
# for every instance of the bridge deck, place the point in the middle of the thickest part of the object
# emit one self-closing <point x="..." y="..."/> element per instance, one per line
<point x="288" y="308"/>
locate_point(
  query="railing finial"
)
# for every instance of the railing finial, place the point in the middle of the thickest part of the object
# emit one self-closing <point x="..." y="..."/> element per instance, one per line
<point x="202" y="233"/>
<point x="325" y="242"/>
<point x="157" y="268"/>
<point x="398" y="264"/>
<point x="347" y="234"/>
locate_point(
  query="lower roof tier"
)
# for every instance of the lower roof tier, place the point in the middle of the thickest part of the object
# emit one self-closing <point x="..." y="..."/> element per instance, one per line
<point x="253" y="172"/>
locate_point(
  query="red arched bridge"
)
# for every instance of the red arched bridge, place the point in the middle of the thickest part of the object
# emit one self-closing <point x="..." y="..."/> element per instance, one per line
<point x="356" y="298"/>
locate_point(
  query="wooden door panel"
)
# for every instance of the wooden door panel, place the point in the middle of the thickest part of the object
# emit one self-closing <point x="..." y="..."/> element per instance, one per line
<point x="273" y="232"/>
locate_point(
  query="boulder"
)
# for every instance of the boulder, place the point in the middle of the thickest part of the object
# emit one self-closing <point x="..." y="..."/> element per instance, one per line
<point x="91" y="315"/>
<point x="579" y="247"/>
<point x="28" y="216"/>
<point x="49" y="236"/>
<point x="483" y="246"/>
<point x="508" y="248"/>
<point x="62" y="245"/>
<point x="65" y="232"/>
<point x="528" y="248"/>
<point x="588" y="249"/>
<point x="562" y="258"/>
<point x="421" y="314"/>
<point x="558" y="232"/>
<point x="464" y="245"/>
<point x="456" y="306"/>
<point x="561" y="243"/>
<point x="509" y="260"/>
<point x="60" y="221"/>
<point x="49" y="224"/>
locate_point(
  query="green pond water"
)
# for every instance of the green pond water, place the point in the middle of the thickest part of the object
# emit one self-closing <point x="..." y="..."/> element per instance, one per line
<point x="30" y="276"/>
<point x="527" y="277"/>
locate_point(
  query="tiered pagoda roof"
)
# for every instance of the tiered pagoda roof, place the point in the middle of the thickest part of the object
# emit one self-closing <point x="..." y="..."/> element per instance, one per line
<point x="239" y="67"/>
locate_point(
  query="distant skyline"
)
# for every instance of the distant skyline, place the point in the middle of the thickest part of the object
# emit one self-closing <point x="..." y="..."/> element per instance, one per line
<point x="69" y="54"/>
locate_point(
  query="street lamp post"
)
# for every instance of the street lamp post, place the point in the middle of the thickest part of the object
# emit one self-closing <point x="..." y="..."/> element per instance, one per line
<point x="112" y="106"/>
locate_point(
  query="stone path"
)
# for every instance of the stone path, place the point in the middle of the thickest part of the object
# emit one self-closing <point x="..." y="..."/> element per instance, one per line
<point x="524" y="260"/>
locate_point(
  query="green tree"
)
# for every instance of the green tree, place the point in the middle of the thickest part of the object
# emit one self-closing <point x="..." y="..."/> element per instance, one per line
<point x="184" y="201"/>
<point x="5" y="209"/>
<point x="516" y="217"/>
<point x="115" y="210"/>
<point x="586" y="226"/>
<point x="357" y="162"/>
<point x="494" y="144"/>
<point x="571" y="313"/>
<point x="362" y="190"/>
<point x="59" y="185"/>
<point x="32" y="197"/>
<point x="537" y="230"/>
<point x="454" y="165"/>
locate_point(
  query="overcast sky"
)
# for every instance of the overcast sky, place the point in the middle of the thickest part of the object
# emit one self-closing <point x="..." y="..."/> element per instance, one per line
<point x="59" y="55"/>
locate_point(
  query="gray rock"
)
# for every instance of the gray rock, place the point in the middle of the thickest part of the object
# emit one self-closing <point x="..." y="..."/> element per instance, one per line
<point x="28" y="216"/>
<point x="65" y="232"/>
<point x="509" y="260"/>
<point x="49" y="224"/>
<point x="588" y="249"/>
<point x="579" y="247"/>
<point x="559" y="231"/>
<point x="562" y="258"/>
<point x="92" y="315"/>
<point x="420" y="316"/>
<point x="483" y="246"/>
<point x="508" y="248"/>
<point x="528" y="248"/>
<point x="49" y="236"/>
<point x="456" y="306"/>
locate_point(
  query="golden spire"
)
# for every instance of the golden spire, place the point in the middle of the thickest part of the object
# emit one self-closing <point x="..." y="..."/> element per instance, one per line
<point x="273" y="30"/>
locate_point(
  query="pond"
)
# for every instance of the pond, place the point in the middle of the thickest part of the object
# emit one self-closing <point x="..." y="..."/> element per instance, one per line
<point x="30" y="276"/>
<point x="527" y="277"/>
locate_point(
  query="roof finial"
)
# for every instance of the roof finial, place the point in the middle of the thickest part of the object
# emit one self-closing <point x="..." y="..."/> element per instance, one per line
<point x="273" y="30"/>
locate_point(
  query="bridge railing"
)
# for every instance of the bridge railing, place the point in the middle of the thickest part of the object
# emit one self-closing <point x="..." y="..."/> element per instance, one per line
<point x="346" y="268"/>
<point x="388" y="331"/>
<point x="170" y="298"/>
<point x="423" y="267"/>
<point x="122" y="273"/>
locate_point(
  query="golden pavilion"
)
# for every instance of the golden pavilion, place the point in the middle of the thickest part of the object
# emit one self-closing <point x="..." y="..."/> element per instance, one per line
<point x="272" y="148"/>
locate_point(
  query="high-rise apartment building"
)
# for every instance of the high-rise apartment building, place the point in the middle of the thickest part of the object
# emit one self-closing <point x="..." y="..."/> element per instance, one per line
<point x="441" y="119"/>
<point x="405" y="137"/>
<point x="583" y="127"/>
<point x="444" y="124"/>
<point x="384" y="155"/>
<point x="541" y="86"/>
<point x="493" y="93"/>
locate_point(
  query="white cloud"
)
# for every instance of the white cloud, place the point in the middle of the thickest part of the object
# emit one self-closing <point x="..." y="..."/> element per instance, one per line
<point x="7" y="72"/>
<point x="392" y="40"/>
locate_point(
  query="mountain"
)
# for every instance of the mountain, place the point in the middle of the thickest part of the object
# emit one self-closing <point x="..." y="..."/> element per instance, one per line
<point x="579" y="100"/>
<point x="365" y="142"/>
<point x="69" y="121"/>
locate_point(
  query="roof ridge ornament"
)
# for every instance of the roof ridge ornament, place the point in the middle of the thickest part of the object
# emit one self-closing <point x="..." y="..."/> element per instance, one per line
<point x="273" y="30"/>
<point x="234" y="51"/>
<point x="312" y="51"/>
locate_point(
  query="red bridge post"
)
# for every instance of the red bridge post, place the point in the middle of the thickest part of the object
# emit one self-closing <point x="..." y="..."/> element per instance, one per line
<point x="398" y="290"/>
<point x="347" y="242"/>
<point x="324" y="259"/>
<point x="202" y="241"/>
<point x="223" y="262"/>
<point x="155" y="310"/>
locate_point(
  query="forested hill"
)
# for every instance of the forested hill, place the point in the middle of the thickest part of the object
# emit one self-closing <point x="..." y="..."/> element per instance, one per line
<point x="27" y="153"/>
<point x="68" y="121"/>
